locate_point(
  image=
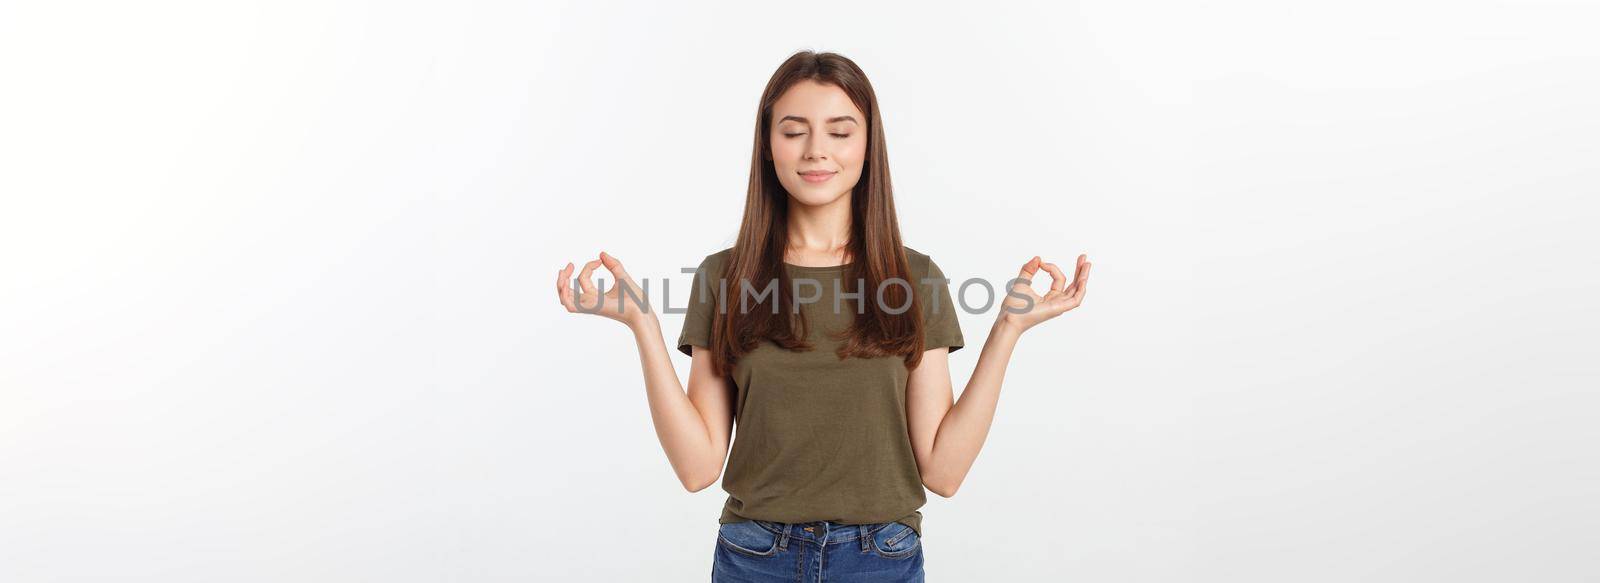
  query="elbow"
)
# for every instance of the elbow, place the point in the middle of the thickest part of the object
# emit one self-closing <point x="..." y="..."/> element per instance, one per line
<point x="698" y="483"/>
<point x="944" y="490"/>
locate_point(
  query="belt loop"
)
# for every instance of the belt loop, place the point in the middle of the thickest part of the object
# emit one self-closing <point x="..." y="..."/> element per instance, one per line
<point x="866" y="539"/>
<point x="783" y="539"/>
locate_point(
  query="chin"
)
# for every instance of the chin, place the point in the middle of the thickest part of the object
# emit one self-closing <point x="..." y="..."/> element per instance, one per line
<point x="816" y="198"/>
<point x="815" y="195"/>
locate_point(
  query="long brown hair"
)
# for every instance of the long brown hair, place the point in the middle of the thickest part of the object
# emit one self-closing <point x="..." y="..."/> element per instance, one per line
<point x="874" y="242"/>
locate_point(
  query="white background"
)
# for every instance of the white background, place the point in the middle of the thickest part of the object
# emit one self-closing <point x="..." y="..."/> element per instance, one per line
<point x="276" y="282"/>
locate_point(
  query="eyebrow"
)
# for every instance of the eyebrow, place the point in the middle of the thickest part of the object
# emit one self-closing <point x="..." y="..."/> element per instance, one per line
<point x="830" y="120"/>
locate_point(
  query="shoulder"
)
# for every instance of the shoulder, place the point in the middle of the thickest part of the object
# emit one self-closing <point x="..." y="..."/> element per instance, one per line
<point x="915" y="256"/>
<point x="715" y="261"/>
<point x="921" y="264"/>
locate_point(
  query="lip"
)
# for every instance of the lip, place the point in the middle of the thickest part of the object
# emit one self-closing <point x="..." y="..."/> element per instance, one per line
<point x="816" y="176"/>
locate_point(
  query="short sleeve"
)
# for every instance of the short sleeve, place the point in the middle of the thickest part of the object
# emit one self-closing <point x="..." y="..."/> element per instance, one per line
<point x="702" y="307"/>
<point x="941" y="327"/>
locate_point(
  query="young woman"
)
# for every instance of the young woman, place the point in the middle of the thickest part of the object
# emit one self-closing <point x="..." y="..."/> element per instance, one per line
<point x="827" y="340"/>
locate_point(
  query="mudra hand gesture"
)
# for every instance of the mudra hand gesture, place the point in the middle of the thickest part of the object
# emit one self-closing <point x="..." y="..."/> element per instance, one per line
<point x="1023" y="314"/>
<point x="614" y="303"/>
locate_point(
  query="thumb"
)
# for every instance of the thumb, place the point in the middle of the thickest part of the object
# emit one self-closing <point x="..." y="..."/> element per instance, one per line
<point x="1030" y="268"/>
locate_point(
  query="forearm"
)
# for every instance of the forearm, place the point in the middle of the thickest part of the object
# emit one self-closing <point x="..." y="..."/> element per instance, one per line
<point x="679" y="426"/>
<point x="966" y="425"/>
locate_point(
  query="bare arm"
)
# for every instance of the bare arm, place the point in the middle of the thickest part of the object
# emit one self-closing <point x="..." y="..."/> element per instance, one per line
<point x="946" y="437"/>
<point x="695" y="428"/>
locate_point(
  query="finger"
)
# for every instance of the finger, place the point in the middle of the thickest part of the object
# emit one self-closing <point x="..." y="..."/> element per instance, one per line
<point x="1080" y="283"/>
<point x="564" y="287"/>
<point x="588" y="272"/>
<point x="560" y="280"/>
<point x="567" y="298"/>
<point x="1083" y="286"/>
<point x="1058" y="280"/>
<point x="1077" y="272"/>
<point x="564" y="281"/>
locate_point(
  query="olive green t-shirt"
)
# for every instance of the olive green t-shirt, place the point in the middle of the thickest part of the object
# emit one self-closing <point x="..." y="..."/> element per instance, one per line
<point x="819" y="438"/>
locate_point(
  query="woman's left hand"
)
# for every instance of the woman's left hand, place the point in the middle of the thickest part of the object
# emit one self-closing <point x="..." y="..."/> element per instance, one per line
<point x="1023" y="308"/>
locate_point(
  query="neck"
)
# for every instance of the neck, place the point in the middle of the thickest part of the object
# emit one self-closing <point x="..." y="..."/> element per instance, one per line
<point x="819" y="230"/>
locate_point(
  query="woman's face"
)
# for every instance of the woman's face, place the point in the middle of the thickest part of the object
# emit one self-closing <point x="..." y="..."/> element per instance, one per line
<point x="819" y="142"/>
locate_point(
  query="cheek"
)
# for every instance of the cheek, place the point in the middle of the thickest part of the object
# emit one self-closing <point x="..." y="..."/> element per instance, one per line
<point x="855" y="155"/>
<point x="783" y="153"/>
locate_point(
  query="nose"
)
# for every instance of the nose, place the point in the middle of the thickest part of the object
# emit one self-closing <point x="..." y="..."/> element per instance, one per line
<point x="814" y="150"/>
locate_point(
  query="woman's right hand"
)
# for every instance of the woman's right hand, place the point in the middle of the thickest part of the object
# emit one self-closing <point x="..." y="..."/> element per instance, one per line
<point x="590" y="301"/>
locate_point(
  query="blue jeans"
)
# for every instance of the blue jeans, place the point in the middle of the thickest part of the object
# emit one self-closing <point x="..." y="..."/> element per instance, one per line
<point x="759" y="551"/>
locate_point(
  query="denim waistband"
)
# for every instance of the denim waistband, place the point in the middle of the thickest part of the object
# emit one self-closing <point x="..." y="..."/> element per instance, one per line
<point x="821" y="532"/>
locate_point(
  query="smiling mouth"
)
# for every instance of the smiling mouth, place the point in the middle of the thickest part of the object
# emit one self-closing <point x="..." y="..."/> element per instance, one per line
<point x="817" y="176"/>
